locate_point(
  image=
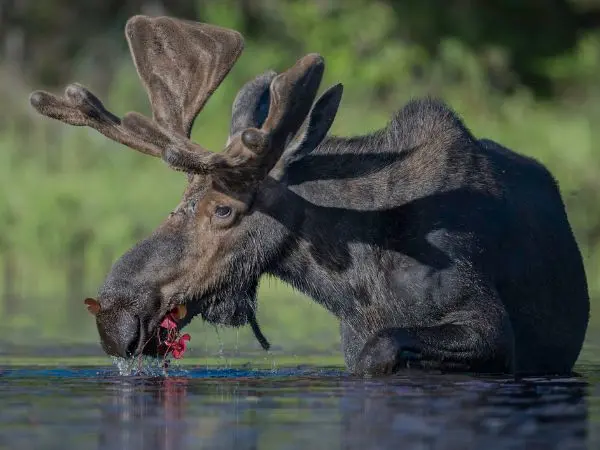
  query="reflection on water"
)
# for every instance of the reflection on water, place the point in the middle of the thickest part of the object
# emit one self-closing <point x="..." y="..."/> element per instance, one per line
<point x="293" y="409"/>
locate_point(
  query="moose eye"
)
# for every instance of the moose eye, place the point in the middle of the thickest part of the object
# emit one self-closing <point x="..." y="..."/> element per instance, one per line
<point x="222" y="211"/>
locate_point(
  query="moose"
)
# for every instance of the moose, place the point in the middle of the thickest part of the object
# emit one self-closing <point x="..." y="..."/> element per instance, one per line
<point x="436" y="250"/>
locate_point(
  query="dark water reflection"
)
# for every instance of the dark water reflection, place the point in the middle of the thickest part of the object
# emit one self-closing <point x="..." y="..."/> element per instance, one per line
<point x="293" y="409"/>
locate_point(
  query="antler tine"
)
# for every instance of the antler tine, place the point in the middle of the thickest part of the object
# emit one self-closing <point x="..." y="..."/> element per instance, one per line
<point x="292" y="96"/>
<point x="80" y="107"/>
<point x="180" y="63"/>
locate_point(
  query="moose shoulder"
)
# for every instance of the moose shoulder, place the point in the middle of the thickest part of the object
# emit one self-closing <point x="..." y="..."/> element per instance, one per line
<point x="433" y="248"/>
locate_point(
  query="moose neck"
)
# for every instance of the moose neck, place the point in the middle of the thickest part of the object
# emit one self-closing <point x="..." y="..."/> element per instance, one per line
<point x="328" y="210"/>
<point x="310" y="258"/>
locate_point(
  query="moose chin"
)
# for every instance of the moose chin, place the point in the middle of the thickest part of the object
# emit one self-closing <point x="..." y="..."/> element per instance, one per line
<point x="435" y="249"/>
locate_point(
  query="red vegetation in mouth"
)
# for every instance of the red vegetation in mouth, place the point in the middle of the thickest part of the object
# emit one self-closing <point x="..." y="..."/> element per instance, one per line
<point x="178" y="347"/>
<point x="173" y="343"/>
<point x="169" y="321"/>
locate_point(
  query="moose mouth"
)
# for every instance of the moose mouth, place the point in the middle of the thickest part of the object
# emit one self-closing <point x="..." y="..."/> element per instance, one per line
<point x="170" y="340"/>
<point x="164" y="338"/>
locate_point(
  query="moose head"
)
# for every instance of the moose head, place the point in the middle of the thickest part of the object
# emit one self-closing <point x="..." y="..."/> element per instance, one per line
<point x="209" y="253"/>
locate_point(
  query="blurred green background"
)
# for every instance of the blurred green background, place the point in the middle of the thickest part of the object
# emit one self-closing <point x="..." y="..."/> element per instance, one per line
<point x="522" y="72"/>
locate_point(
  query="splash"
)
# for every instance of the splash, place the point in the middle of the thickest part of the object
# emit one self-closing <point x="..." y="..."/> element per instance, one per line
<point x="147" y="366"/>
<point x="170" y="343"/>
<point x="271" y="358"/>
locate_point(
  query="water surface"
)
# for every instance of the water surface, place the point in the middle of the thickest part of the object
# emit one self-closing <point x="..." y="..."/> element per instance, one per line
<point x="292" y="408"/>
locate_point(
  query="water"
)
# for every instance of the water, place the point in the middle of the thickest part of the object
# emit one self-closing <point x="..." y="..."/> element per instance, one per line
<point x="293" y="408"/>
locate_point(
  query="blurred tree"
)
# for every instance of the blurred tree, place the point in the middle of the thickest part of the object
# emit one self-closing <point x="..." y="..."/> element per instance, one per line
<point x="43" y="37"/>
<point x="529" y="30"/>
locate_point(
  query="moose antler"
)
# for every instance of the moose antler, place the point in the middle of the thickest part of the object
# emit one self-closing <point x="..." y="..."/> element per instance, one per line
<point x="180" y="63"/>
<point x="253" y="153"/>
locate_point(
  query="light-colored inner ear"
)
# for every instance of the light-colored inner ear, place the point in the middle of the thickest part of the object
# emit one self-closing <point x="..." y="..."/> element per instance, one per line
<point x="93" y="305"/>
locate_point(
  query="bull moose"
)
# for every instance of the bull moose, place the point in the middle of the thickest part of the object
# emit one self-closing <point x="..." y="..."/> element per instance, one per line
<point x="433" y="248"/>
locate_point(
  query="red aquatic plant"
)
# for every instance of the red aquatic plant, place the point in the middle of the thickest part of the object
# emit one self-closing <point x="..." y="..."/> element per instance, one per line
<point x="174" y="343"/>
<point x="178" y="347"/>
<point x="169" y="322"/>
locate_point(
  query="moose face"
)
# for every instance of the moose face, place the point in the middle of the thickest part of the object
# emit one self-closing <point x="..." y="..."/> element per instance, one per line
<point x="211" y="250"/>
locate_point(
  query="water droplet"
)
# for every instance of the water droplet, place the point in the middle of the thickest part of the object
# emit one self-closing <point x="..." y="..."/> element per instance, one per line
<point x="221" y="349"/>
<point x="237" y="338"/>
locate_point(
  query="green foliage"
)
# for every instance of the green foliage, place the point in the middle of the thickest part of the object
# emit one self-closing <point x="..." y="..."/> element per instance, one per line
<point x="66" y="188"/>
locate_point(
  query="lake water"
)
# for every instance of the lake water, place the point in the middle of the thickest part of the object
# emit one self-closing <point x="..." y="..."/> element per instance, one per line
<point x="293" y="408"/>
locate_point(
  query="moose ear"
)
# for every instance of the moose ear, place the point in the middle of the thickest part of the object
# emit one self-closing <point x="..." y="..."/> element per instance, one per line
<point x="319" y="122"/>
<point x="93" y="305"/>
<point x="320" y="119"/>
<point x="251" y="104"/>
